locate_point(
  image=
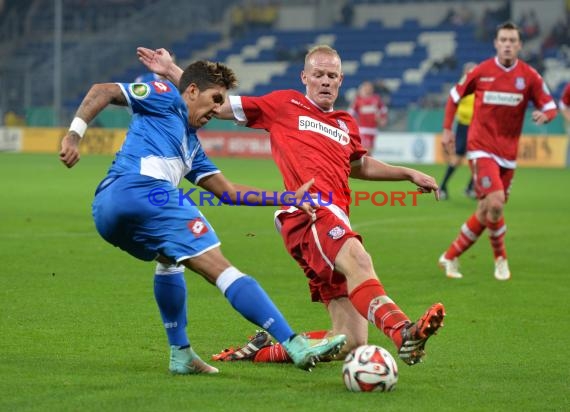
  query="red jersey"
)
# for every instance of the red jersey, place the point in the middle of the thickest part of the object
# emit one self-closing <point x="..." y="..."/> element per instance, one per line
<point x="502" y="95"/>
<point x="565" y="99"/>
<point x="306" y="142"/>
<point x="367" y="110"/>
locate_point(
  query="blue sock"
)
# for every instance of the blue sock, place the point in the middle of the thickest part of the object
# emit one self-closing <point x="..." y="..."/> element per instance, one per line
<point x="249" y="299"/>
<point x="170" y="295"/>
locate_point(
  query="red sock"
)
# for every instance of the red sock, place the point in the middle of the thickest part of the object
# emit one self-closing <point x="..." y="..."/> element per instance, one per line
<point x="272" y="354"/>
<point x="370" y="300"/>
<point x="497" y="233"/>
<point x="470" y="232"/>
<point x="316" y="334"/>
<point x="277" y="354"/>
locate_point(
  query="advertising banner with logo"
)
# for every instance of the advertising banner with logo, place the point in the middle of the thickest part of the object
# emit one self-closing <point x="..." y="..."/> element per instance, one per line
<point x="534" y="151"/>
<point x="424" y="148"/>
<point x="235" y="144"/>
<point x="108" y="141"/>
<point x="543" y="151"/>
<point x="405" y="147"/>
<point x="47" y="140"/>
<point x="10" y="139"/>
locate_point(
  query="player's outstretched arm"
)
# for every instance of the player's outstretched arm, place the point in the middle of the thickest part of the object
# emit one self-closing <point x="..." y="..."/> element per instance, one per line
<point x="160" y="62"/>
<point x="372" y="169"/>
<point x="448" y="137"/>
<point x="448" y="141"/>
<point x="235" y="193"/>
<point x="425" y="183"/>
<point x="98" y="97"/>
<point x="540" y="117"/>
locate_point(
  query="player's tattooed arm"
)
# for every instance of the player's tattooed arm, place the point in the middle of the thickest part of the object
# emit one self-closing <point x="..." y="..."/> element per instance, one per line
<point x="100" y="96"/>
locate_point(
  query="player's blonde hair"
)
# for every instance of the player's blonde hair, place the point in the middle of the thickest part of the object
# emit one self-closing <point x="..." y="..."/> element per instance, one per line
<point x="320" y="48"/>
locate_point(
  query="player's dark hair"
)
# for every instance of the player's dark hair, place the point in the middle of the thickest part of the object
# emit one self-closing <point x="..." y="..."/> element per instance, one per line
<point x="206" y="74"/>
<point x="508" y="25"/>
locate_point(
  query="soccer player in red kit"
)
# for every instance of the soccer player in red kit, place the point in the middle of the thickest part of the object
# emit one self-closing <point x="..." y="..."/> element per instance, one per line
<point x="370" y="112"/>
<point x="503" y="86"/>
<point x="310" y="138"/>
<point x="565" y="103"/>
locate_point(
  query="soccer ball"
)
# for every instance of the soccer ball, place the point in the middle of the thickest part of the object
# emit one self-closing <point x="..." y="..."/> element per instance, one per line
<point x="370" y="368"/>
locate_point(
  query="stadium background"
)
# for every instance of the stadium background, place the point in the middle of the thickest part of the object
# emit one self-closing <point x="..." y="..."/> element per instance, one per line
<point x="53" y="50"/>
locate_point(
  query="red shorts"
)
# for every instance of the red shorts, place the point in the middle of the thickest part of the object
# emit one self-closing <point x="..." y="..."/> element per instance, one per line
<point x="489" y="177"/>
<point x="315" y="247"/>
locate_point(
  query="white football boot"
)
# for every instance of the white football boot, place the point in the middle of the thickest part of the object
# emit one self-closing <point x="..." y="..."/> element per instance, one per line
<point x="451" y="267"/>
<point x="502" y="271"/>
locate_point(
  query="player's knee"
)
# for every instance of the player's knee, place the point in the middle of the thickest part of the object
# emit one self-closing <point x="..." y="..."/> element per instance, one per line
<point x="353" y="259"/>
<point x="495" y="213"/>
<point x="210" y="265"/>
<point x="495" y="209"/>
<point x="358" y="252"/>
<point x="363" y="260"/>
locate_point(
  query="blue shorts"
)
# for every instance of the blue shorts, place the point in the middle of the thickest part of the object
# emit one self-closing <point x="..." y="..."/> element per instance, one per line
<point x="461" y="139"/>
<point x="144" y="217"/>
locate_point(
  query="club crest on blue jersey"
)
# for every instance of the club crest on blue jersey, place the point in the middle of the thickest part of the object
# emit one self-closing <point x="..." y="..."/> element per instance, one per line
<point x="139" y="90"/>
<point x="519" y="83"/>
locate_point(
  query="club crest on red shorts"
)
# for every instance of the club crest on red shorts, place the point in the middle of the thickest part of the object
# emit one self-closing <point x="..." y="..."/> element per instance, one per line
<point x="336" y="232"/>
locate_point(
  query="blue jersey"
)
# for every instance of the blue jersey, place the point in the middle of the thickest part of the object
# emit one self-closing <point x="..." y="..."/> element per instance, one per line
<point x="138" y="207"/>
<point x="160" y="143"/>
<point x="147" y="77"/>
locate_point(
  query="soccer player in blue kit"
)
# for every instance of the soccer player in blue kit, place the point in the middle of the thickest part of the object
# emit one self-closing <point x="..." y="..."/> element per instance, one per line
<point x="161" y="148"/>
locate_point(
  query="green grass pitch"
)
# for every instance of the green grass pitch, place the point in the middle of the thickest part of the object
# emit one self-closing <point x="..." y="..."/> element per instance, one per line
<point x="80" y="329"/>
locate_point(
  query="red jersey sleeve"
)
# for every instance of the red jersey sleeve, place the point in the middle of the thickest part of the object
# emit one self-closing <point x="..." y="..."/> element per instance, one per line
<point x="450" y="109"/>
<point x="358" y="150"/>
<point x="541" y="97"/>
<point x="465" y="85"/>
<point x="261" y="111"/>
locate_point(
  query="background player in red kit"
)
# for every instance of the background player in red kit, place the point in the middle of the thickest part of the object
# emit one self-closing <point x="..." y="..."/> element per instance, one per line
<point x="310" y="138"/>
<point x="565" y="104"/>
<point x="503" y="86"/>
<point x="370" y="113"/>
